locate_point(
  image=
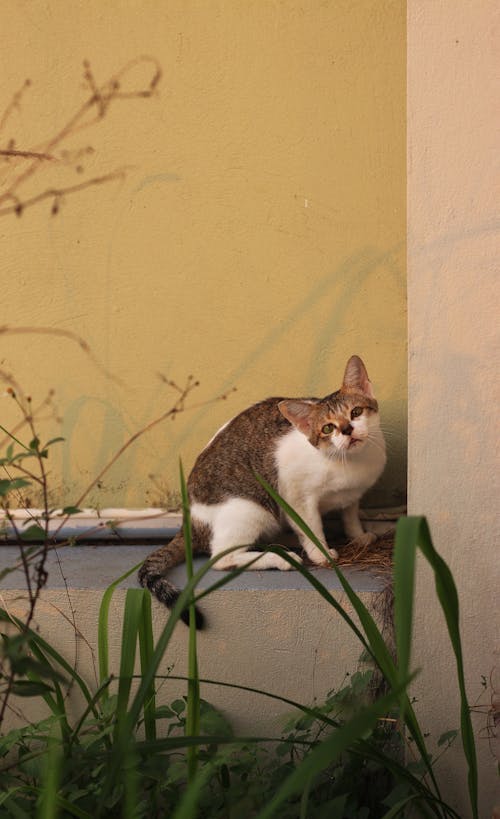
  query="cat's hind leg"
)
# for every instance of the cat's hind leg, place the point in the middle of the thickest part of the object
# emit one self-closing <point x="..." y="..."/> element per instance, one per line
<point x="239" y="522"/>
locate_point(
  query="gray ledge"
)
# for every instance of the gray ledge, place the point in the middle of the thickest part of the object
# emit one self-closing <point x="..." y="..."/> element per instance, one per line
<point x="97" y="566"/>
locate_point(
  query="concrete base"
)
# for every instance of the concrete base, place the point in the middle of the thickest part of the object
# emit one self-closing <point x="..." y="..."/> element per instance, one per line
<point x="267" y="630"/>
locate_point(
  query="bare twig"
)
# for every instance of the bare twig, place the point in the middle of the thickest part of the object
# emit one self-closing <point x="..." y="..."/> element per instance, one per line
<point x="56" y="332"/>
<point x="57" y="194"/>
<point x="92" y="111"/>
<point x="26" y="154"/>
<point x="14" y="103"/>
<point x="11" y="434"/>
<point x="34" y="563"/>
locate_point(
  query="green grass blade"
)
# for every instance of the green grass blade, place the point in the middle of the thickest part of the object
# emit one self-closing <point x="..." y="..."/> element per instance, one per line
<point x="376" y="643"/>
<point x="411" y="532"/>
<point x="102" y="627"/>
<point x="57" y="705"/>
<point x="175" y="743"/>
<point x="398" y="807"/>
<point x="304" y="799"/>
<point x="126" y="727"/>
<point x="48" y="805"/>
<point x="146" y="648"/>
<point x="131" y="780"/>
<point x="131" y="617"/>
<point x="65" y="804"/>
<point x="405" y="546"/>
<point x="72" y="809"/>
<point x="123" y="740"/>
<point x="91" y="706"/>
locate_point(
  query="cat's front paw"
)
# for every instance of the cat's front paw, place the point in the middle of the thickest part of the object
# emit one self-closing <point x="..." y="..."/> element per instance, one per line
<point x="320" y="559"/>
<point x="363" y="541"/>
<point x="282" y="564"/>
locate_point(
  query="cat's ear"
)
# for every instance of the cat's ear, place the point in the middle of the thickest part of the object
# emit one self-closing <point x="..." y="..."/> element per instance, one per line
<point x="356" y="378"/>
<point x="299" y="413"/>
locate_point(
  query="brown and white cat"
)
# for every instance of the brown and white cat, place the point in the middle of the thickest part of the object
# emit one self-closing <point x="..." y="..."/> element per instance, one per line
<point x="319" y="454"/>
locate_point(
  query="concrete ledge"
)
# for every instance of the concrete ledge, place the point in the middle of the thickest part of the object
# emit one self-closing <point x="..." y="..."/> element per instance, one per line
<point x="289" y="642"/>
<point x="95" y="567"/>
<point x="269" y="630"/>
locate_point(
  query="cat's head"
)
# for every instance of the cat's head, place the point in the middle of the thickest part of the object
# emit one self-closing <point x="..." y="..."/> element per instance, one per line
<point x="343" y="422"/>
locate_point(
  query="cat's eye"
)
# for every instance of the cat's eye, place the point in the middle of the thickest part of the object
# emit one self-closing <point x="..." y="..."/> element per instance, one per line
<point x="328" y="429"/>
<point x="356" y="412"/>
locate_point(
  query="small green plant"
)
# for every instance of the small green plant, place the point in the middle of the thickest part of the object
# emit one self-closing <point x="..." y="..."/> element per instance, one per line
<point x="233" y="776"/>
<point x="24" y="468"/>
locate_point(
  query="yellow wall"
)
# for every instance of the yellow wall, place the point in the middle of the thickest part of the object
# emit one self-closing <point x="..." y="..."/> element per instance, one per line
<point x="256" y="241"/>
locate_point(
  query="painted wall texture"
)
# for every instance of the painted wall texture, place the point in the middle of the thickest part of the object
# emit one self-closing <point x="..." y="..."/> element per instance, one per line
<point x="249" y="229"/>
<point x="453" y="230"/>
<point x="303" y="652"/>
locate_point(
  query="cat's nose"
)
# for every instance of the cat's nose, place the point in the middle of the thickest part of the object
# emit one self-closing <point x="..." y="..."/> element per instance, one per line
<point x="347" y="430"/>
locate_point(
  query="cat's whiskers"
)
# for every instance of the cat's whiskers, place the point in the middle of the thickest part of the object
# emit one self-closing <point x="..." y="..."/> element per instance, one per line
<point x="337" y="455"/>
<point x="372" y="439"/>
<point x="390" y="432"/>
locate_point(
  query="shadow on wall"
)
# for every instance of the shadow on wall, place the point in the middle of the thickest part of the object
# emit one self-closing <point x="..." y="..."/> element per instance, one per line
<point x="352" y="282"/>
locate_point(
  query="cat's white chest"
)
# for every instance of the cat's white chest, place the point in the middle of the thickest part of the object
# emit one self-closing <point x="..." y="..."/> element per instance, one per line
<point x="304" y="472"/>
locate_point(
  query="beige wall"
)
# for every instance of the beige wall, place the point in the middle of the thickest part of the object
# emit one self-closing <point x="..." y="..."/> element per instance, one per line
<point x="303" y="652"/>
<point x="256" y="240"/>
<point x="453" y="358"/>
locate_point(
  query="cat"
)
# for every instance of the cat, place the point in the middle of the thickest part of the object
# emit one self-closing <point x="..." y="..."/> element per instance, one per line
<point x="319" y="454"/>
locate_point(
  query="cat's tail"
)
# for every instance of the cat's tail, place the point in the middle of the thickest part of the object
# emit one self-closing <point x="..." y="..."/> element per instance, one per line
<point x="152" y="575"/>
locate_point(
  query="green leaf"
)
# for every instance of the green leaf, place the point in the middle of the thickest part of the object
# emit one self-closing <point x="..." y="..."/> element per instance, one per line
<point x="34" y="532"/>
<point x="54" y="441"/>
<point x="329" y="750"/>
<point x="28" y="665"/>
<point x="36" y="641"/>
<point x="7" y="485"/>
<point x="13" y="437"/>
<point x="27" y="688"/>
<point x="213" y="722"/>
<point x="396" y="809"/>
<point x="70" y="510"/>
<point x="447" y="738"/>
<point x="178" y="706"/>
<point x="102" y="627"/>
<point x="164" y="712"/>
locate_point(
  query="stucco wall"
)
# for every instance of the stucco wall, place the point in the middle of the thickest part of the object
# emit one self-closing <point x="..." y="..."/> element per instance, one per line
<point x="453" y="230"/>
<point x="287" y="642"/>
<point x="256" y="239"/>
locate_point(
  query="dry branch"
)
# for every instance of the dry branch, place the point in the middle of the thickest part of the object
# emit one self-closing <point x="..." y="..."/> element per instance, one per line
<point x="97" y="105"/>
